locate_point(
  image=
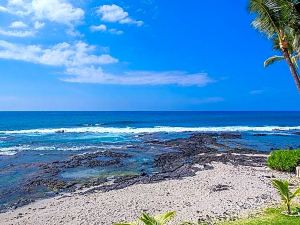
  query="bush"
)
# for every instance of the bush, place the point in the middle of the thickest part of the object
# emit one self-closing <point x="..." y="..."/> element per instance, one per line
<point x="284" y="160"/>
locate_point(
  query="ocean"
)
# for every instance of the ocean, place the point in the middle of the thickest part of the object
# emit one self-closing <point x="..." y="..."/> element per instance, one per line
<point x="29" y="140"/>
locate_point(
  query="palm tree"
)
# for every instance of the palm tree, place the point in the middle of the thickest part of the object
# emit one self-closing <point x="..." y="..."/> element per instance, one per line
<point x="271" y="19"/>
<point x="151" y="220"/>
<point x="276" y="46"/>
<point x="286" y="195"/>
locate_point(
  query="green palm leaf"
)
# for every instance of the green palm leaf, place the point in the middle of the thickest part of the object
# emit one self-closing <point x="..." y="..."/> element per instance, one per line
<point x="267" y="16"/>
<point x="280" y="21"/>
<point x="282" y="189"/>
<point x="272" y="60"/>
<point x="296" y="193"/>
<point x="166" y="217"/>
<point x="149" y="220"/>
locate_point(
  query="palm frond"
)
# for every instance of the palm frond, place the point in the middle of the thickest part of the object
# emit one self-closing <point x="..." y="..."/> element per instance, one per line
<point x="296" y="193"/>
<point x="148" y="220"/>
<point x="272" y="60"/>
<point x="295" y="60"/>
<point x="166" y="217"/>
<point x="267" y="16"/>
<point x="282" y="189"/>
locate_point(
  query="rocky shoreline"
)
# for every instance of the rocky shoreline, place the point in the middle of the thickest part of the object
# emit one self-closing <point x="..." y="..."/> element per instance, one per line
<point x="188" y="156"/>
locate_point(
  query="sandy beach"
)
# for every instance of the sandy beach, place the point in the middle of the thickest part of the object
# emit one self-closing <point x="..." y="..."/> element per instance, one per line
<point x="224" y="192"/>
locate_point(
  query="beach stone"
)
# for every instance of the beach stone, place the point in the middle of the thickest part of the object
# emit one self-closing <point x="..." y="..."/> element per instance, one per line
<point x="298" y="171"/>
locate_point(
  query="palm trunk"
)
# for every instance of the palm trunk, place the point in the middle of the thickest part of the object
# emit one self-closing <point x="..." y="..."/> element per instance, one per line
<point x="289" y="208"/>
<point x="292" y="67"/>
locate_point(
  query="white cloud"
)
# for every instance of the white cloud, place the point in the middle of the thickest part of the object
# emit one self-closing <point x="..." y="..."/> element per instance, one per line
<point x="81" y="65"/>
<point x="98" y="76"/>
<point x="116" y="14"/>
<point x="21" y="30"/>
<point x="58" y="11"/>
<point x="18" y="25"/>
<point x="38" y="25"/>
<point x="115" y="31"/>
<point x="3" y="9"/>
<point x="17" y="33"/>
<point x="62" y="54"/>
<point x="101" y="27"/>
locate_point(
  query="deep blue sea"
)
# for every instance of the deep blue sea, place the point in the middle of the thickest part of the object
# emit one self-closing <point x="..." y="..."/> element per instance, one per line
<point x="73" y="131"/>
<point x="28" y="139"/>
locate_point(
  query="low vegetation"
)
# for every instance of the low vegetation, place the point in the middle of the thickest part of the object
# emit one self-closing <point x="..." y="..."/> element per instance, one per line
<point x="286" y="195"/>
<point x="147" y="219"/>
<point x="271" y="216"/>
<point x="284" y="160"/>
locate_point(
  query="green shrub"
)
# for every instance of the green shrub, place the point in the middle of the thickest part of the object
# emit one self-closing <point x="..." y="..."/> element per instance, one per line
<point x="284" y="160"/>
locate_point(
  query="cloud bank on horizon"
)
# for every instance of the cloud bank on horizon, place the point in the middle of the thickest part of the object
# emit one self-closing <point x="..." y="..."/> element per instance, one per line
<point x="79" y="61"/>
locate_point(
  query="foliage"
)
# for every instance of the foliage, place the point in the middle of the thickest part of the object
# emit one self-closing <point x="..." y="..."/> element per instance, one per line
<point x="277" y="58"/>
<point x="147" y="219"/>
<point x="270" y="216"/>
<point x="286" y="195"/>
<point x="284" y="160"/>
<point x="280" y="21"/>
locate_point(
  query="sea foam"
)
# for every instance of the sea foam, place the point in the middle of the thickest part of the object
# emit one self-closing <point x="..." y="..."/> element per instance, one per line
<point x="158" y="129"/>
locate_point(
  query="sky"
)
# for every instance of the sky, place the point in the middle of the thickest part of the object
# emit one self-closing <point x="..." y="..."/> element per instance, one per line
<point x="137" y="55"/>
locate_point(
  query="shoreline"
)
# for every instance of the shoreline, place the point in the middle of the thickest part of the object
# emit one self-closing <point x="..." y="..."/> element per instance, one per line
<point x="177" y="163"/>
<point x="195" y="179"/>
<point x="209" y="194"/>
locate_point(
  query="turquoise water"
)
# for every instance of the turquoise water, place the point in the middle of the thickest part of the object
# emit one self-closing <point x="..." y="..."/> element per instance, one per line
<point x="28" y="139"/>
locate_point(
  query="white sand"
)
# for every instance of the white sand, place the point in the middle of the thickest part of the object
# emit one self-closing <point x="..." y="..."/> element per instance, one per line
<point x="191" y="197"/>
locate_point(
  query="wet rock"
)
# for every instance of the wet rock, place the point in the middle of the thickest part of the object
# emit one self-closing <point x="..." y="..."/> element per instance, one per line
<point x="230" y="135"/>
<point x="60" y="131"/>
<point x="259" y="135"/>
<point x="220" y="187"/>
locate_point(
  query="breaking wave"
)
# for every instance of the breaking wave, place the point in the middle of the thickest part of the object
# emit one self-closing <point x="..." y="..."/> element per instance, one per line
<point x="158" y="129"/>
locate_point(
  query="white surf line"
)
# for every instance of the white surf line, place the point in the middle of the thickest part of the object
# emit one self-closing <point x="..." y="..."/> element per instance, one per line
<point x="239" y="154"/>
<point x="157" y="129"/>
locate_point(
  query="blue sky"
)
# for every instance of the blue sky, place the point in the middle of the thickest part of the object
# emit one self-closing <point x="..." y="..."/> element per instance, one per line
<point x="137" y="55"/>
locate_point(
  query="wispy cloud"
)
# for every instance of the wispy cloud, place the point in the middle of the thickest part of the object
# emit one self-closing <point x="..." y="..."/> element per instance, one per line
<point x="103" y="28"/>
<point x="208" y="100"/>
<point x="256" y="92"/>
<point x="78" y="61"/>
<point x="97" y="75"/>
<point x="18" y="25"/>
<point x="116" y="14"/>
<point x="38" y="25"/>
<point x="21" y="30"/>
<point x="83" y="66"/>
<point x="17" y="33"/>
